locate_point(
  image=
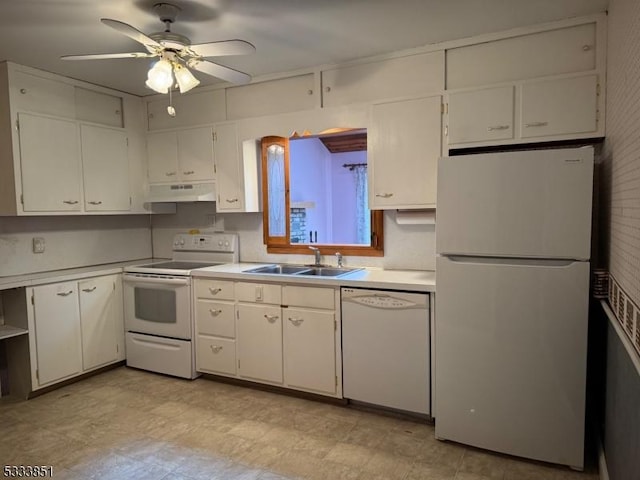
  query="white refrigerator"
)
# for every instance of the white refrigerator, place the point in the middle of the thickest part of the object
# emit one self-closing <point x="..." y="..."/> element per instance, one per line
<point x="513" y="237"/>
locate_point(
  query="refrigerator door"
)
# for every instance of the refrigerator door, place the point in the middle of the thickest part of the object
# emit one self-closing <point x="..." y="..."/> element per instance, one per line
<point x="516" y="204"/>
<point x="511" y="349"/>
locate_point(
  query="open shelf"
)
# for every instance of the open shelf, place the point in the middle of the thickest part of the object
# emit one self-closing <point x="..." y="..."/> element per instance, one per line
<point x="8" y="331"/>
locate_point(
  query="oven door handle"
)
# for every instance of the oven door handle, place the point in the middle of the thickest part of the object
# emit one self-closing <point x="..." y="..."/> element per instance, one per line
<point x="155" y="280"/>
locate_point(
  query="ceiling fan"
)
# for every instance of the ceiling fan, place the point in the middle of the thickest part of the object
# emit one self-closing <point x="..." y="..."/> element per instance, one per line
<point x="175" y="53"/>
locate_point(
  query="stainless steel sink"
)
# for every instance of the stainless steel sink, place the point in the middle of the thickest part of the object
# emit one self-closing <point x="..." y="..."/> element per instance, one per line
<point x="302" y="270"/>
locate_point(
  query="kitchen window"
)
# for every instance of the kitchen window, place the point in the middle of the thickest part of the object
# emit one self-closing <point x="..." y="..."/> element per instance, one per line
<point x="315" y="194"/>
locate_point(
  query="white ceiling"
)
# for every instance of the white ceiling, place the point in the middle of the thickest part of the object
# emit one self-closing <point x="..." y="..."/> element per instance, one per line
<point x="288" y="34"/>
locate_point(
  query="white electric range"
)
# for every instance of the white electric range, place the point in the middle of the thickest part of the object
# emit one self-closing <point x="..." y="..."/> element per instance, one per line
<point x="158" y="303"/>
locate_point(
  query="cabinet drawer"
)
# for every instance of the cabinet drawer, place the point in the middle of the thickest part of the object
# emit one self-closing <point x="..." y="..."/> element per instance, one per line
<point x="259" y="292"/>
<point x="217" y="289"/>
<point x="312" y="297"/>
<point x="215" y="318"/>
<point x="216" y="355"/>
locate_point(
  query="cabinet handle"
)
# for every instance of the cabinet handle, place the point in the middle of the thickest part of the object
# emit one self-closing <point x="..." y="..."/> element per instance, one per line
<point x="170" y="174"/>
<point x="498" y="127"/>
<point x="70" y="202"/>
<point x="95" y="203"/>
<point x="536" y="124"/>
<point x="309" y="92"/>
<point x="89" y="290"/>
<point x="23" y="91"/>
<point x="271" y="318"/>
<point x="296" y="321"/>
<point x="215" y="291"/>
<point x="231" y="200"/>
<point x="384" y="195"/>
<point x="327" y="89"/>
<point x="190" y="172"/>
<point x="65" y="294"/>
<point x="215" y="313"/>
<point x="215" y="348"/>
<point x="117" y="112"/>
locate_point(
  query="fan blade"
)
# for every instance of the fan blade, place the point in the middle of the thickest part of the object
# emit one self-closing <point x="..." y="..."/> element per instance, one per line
<point x="103" y="56"/>
<point x="219" y="71"/>
<point x="133" y="33"/>
<point x="219" y="49"/>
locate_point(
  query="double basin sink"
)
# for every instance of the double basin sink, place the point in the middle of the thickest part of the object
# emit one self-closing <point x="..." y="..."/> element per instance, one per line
<point x="303" y="270"/>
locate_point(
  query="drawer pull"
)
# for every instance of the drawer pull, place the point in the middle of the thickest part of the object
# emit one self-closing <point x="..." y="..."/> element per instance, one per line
<point x="65" y="294"/>
<point x="189" y="172"/>
<point x="95" y="203"/>
<point x="23" y="91"/>
<point x="536" y="124"/>
<point x="271" y="318"/>
<point x="170" y="174"/>
<point x="216" y="348"/>
<point x="231" y="200"/>
<point x="215" y="313"/>
<point x="70" y="202"/>
<point x="384" y="195"/>
<point x="89" y="290"/>
<point x="498" y="127"/>
<point x="215" y="291"/>
<point x="296" y="321"/>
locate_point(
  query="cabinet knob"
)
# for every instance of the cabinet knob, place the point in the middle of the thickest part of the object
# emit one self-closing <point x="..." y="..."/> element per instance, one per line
<point x="215" y="313"/>
<point x="215" y="348"/>
<point x="215" y="291"/>
<point x="296" y="321"/>
<point x="70" y="202"/>
<point x="93" y="202"/>
<point x="89" y="290"/>
<point x="65" y="294"/>
<point x="271" y="318"/>
<point x="23" y="91"/>
<point x="536" y="124"/>
<point x="384" y="195"/>
<point x="498" y="127"/>
<point x="231" y="200"/>
<point x="189" y="172"/>
<point x="586" y="48"/>
<point x="327" y="89"/>
<point x="309" y="92"/>
<point x="117" y="112"/>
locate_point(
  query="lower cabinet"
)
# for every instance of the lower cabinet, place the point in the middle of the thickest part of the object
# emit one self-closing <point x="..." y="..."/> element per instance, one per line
<point x="75" y="327"/>
<point x="282" y="335"/>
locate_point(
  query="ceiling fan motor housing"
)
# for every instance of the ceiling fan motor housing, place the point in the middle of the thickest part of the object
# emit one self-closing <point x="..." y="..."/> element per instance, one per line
<point x="167" y="12"/>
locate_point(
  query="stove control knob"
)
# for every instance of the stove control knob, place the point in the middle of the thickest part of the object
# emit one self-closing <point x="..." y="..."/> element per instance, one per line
<point x="182" y="241"/>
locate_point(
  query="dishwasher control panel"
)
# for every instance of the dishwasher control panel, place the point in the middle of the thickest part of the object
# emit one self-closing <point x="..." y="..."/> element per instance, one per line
<point x="384" y="300"/>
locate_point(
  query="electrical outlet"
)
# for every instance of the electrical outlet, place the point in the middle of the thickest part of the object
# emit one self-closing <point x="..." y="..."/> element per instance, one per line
<point x="38" y="245"/>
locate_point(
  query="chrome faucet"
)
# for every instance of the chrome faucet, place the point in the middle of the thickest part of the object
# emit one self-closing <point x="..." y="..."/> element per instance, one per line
<point x="339" y="257"/>
<point x="318" y="258"/>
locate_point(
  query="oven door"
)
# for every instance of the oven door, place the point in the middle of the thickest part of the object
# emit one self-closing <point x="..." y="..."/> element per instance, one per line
<point x="158" y="305"/>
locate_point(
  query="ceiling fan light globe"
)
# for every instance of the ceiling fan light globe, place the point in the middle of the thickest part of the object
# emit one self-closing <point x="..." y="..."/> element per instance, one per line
<point x="186" y="80"/>
<point x="160" y="76"/>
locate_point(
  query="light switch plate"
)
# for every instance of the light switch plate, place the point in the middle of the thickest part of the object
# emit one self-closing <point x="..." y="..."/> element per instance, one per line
<point x="38" y="245"/>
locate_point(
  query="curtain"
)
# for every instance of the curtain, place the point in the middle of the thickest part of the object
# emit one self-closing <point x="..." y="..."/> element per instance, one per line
<point x="363" y="216"/>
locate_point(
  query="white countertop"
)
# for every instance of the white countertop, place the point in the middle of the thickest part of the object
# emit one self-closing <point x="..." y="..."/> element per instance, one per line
<point x="412" y="280"/>
<point x="54" y="276"/>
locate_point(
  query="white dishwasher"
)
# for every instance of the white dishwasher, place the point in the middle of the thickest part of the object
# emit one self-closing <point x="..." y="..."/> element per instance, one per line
<point x="386" y="348"/>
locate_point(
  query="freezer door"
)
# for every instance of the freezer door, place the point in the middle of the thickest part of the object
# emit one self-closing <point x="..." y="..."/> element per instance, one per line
<point x="511" y="353"/>
<point x="516" y="204"/>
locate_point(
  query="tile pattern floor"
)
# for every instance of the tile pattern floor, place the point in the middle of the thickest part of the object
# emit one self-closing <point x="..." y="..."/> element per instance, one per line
<point x="129" y="424"/>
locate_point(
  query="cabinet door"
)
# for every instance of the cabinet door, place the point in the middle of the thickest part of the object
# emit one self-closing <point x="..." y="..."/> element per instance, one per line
<point x="195" y="154"/>
<point x="99" y="107"/>
<point x="216" y="355"/>
<point x="481" y="115"/>
<point x="259" y="347"/>
<point x="57" y="325"/>
<point x="228" y="179"/>
<point x="162" y="155"/>
<point x="105" y="167"/>
<point x="50" y="164"/>
<point x="37" y="94"/>
<point x="310" y="349"/>
<point x="559" y="107"/>
<point x="101" y="317"/>
<point x="404" y="143"/>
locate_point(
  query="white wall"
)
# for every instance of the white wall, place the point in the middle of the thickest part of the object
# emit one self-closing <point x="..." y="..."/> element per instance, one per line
<point x="71" y="242"/>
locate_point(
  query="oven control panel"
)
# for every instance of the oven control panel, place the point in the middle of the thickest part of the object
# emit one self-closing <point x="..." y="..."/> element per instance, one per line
<point x="216" y="242"/>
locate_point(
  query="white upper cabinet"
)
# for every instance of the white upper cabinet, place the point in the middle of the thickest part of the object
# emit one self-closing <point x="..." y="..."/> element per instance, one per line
<point x="105" y="168"/>
<point x="284" y="95"/>
<point x="180" y="156"/>
<point x="559" y="107"/>
<point x="404" y="143"/>
<point x="31" y="93"/>
<point x="50" y="164"/>
<point x="98" y="107"/>
<point x="193" y="108"/>
<point x="481" y="115"/>
<point x="407" y="76"/>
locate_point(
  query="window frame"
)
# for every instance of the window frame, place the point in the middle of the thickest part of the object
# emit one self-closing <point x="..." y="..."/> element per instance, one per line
<point x="283" y="244"/>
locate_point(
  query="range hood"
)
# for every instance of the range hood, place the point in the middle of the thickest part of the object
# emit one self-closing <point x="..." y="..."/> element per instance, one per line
<point x="182" y="192"/>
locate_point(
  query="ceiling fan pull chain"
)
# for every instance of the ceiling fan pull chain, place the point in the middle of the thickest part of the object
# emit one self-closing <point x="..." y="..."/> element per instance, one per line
<point x="170" y="110"/>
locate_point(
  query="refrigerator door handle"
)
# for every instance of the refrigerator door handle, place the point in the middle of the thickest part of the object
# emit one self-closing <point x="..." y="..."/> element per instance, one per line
<point x="520" y="262"/>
